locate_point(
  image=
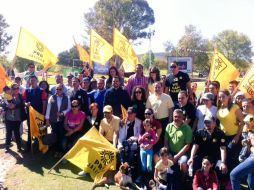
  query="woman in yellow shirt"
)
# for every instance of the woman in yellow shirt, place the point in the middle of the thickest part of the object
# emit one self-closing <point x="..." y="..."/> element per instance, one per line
<point x="231" y="123"/>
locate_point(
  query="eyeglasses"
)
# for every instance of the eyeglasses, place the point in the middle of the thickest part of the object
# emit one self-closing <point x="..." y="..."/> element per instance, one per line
<point x="148" y="113"/>
<point x="59" y="89"/>
<point x="173" y="67"/>
<point x="138" y="92"/>
<point x="74" y="106"/>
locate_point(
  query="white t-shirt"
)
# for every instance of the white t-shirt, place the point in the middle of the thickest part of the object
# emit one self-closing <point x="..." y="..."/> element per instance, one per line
<point x="202" y="110"/>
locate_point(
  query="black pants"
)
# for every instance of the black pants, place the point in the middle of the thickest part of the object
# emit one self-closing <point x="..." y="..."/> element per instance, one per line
<point x="13" y="126"/>
<point x="58" y="129"/>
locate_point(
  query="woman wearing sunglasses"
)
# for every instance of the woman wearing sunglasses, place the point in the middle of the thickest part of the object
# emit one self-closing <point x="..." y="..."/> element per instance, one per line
<point x="73" y="124"/>
<point x="138" y="101"/>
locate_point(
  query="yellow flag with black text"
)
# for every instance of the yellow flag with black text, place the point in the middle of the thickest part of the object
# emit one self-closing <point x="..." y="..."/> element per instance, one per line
<point x="100" y="50"/>
<point x="83" y="55"/>
<point x="222" y="70"/>
<point x="124" y="49"/>
<point x="94" y="154"/>
<point x="29" y="47"/>
<point x="247" y="83"/>
<point x="36" y="121"/>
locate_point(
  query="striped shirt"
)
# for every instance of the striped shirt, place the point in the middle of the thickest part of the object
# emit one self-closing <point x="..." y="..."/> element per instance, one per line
<point x="134" y="81"/>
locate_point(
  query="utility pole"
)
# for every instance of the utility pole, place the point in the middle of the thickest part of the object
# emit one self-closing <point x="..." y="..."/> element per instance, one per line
<point x="150" y="34"/>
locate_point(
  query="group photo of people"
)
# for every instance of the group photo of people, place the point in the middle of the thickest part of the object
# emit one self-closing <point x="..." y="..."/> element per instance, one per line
<point x="173" y="137"/>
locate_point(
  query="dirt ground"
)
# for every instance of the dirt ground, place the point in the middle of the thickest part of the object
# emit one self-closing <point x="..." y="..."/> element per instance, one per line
<point x="7" y="160"/>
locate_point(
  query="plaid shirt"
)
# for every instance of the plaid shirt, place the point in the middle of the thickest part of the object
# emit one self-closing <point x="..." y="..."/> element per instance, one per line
<point x="134" y="81"/>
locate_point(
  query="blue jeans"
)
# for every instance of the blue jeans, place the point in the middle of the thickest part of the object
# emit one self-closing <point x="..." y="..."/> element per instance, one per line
<point x="243" y="169"/>
<point x="146" y="157"/>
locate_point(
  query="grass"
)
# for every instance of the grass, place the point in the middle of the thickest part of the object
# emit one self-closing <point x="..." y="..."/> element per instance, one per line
<point x="31" y="172"/>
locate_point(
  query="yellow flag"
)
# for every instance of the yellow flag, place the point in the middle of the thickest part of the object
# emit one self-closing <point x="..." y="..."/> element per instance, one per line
<point x="247" y="83"/>
<point x="29" y="47"/>
<point x="36" y="120"/>
<point x="222" y="70"/>
<point x="94" y="154"/>
<point x="100" y="50"/>
<point x="124" y="112"/>
<point x="123" y="48"/>
<point x="4" y="79"/>
<point x="83" y="55"/>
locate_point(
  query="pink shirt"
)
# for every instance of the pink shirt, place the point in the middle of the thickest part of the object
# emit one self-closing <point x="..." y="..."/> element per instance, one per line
<point x="74" y="120"/>
<point x="134" y="81"/>
<point x="148" y="140"/>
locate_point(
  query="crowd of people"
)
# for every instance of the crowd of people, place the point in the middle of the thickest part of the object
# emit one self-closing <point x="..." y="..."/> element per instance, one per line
<point x="170" y="136"/>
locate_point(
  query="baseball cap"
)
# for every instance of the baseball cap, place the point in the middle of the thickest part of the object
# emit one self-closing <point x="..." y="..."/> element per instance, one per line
<point x="86" y="79"/>
<point x="209" y="118"/>
<point x="70" y="75"/>
<point x="107" y="108"/>
<point x="208" y="96"/>
<point x="131" y="110"/>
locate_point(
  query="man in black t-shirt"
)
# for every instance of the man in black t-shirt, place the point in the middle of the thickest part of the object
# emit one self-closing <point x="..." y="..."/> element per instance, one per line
<point x="177" y="81"/>
<point x="210" y="141"/>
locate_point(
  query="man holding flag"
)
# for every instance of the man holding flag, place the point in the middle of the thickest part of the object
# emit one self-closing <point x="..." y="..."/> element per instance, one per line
<point x="37" y="98"/>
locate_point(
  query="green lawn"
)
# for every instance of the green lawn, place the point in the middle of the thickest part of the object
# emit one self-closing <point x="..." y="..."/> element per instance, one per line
<point x="31" y="173"/>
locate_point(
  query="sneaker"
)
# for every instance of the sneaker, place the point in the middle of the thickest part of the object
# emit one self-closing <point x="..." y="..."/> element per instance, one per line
<point x="7" y="149"/>
<point x="82" y="174"/>
<point x="20" y="150"/>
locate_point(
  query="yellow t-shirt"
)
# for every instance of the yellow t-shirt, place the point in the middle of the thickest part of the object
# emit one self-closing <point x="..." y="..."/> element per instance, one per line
<point x="228" y="120"/>
<point x="161" y="167"/>
<point x="108" y="129"/>
<point x="160" y="105"/>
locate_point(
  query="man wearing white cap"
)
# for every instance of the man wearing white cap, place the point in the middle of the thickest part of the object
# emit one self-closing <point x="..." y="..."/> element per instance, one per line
<point x="206" y="108"/>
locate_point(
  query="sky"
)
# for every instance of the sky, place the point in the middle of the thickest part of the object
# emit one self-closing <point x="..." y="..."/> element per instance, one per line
<point x="55" y="22"/>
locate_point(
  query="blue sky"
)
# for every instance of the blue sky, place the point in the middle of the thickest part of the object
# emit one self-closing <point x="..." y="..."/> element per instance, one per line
<point x="55" y="22"/>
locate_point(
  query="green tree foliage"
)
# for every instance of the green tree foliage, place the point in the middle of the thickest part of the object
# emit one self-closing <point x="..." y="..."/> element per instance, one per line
<point x="161" y="64"/>
<point x="5" y="39"/>
<point x="131" y="17"/>
<point x="22" y="64"/>
<point x="66" y="57"/>
<point x="235" y="46"/>
<point x="148" y="60"/>
<point x="193" y="44"/>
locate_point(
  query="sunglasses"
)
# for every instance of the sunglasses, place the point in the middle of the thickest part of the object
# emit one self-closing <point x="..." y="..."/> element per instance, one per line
<point x="74" y="106"/>
<point x="173" y="66"/>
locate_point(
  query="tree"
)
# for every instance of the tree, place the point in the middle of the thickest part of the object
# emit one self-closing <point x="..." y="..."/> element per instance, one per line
<point x="66" y="57"/>
<point x="193" y="44"/>
<point x="5" y="39"/>
<point x="235" y="46"/>
<point x="148" y="60"/>
<point x="131" y="17"/>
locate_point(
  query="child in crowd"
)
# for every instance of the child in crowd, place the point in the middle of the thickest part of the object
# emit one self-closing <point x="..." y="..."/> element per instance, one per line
<point x="163" y="170"/>
<point x="206" y="178"/>
<point x="248" y="131"/>
<point x="6" y="99"/>
<point x="145" y="140"/>
<point x="6" y="96"/>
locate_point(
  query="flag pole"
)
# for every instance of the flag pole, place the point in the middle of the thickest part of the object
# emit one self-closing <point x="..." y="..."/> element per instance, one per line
<point x="56" y="164"/>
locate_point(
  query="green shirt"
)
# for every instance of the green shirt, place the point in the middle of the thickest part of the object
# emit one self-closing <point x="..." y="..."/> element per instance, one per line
<point x="178" y="137"/>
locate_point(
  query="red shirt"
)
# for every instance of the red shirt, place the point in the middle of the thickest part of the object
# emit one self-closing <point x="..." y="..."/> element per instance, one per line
<point x="205" y="182"/>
